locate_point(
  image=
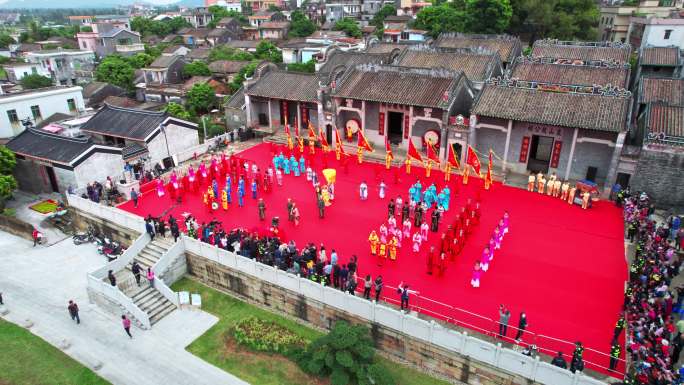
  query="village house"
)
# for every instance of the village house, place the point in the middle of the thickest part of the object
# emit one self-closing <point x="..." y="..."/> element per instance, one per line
<point x="274" y="30"/>
<point x="175" y="50"/>
<point x="579" y="52"/>
<point x="508" y="47"/>
<point x="660" y="62"/>
<point x="159" y="76"/>
<point x="153" y="135"/>
<point x="36" y="105"/>
<point x="95" y="93"/>
<point x="63" y="64"/>
<point x="224" y="70"/>
<point x="106" y="39"/>
<point x="232" y="25"/>
<point x="51" y="160"/>
<point x="16" y="71"/>
<point x="657" y="89"/>
<point x="198" y="54"/>
<point x="198" y="17"/>
<point x="338" y="61"/>
<point x="396" y="29"/>
<point x="194" y="37"/>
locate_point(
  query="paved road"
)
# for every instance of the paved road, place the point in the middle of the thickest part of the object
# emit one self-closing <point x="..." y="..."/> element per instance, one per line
<point x="37" y="284"/>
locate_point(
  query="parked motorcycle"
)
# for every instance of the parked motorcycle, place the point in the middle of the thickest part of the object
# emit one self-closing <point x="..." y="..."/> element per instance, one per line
<point x="87" y="237"/>
<point x="111" y="249"/>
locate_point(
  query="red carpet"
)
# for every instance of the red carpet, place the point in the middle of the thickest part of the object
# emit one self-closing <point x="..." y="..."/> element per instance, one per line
<point x="562" y="265"/>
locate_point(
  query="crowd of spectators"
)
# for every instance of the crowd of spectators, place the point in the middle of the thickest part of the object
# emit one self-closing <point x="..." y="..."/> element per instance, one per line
<point x="654" y="339"/>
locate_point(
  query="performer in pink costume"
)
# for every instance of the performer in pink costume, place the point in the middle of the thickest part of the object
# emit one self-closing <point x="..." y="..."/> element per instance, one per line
<point x="485" y="258"/>
<point x="417" y="239"/>
<point x="477" y="272"/>
<point x="392" y="224"/>
<point x="407" y="228"/>
<point x="215" y="167"/>
<point x="174" y="179"/>
<point x="506" y="222"/>
<point x="160" y="187"/>
<point x="202" y="173"/>
<point x="383" y="233"/>
<point x="424" y="228"/>
<point x="400" y="237"/>
<point x="497" y="238"/>
<point x="492" y="246"/>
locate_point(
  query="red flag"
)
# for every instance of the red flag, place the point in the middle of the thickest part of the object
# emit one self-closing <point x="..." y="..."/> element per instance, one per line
<point x="321" y="137"/>
<point x="296" y="127"/>
<point x="451" y="159"/>
<point x="413" y="153"/>
<point x="363" y="142"/>
<point x="338" y="142"/>
<point x="388" y="148"/>
<point x="473" y="160"/>
<point x="312" y="133"/>
<point x="431" y="154"/>
<point x="287" y="131"/>
<point x="488" y="177"/>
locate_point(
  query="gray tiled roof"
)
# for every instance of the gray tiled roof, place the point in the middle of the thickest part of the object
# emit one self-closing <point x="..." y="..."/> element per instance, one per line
<point x="44" y="145"/>
<point x="666" y="90"/>
<point x="572" y="74"/>
<point x="593" y="112"/>
<point x="124" y="122"/>
<point x="286" y="85"/>
<point x="476" y="66"/>
<point x="666" y="119"/>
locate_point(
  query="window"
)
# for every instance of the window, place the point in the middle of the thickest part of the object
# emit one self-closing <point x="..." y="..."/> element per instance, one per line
<point x="34" y="70"/>
<point x="83" y="44"/>
<point x="35" y="111"/>
<point x="72" y="104"/>
<point x="12" y="116"/>
<point x="668" y="32"/>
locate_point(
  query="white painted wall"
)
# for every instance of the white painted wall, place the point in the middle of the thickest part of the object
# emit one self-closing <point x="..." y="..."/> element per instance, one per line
<point x="179" y="139"/>
<point x="98" y="167"/>
<point x="655" y="35"/>
<point x="21" y="70"/>
<point x="50" y="102"/>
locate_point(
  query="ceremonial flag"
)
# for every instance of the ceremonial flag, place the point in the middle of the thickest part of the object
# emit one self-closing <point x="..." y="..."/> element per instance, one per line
<point x="289" y="135"/>
<point x="413" y="153"/>
<point x="312" y="133"/>
<point x="324" y="142"/>
<point x="388" y="149"/>
<point x="431" y="154"/>
<point x="473" y="160"/>
<point x="451" y="158"/>
<point x="488" y="177"/>
<point x="363" y="142"/>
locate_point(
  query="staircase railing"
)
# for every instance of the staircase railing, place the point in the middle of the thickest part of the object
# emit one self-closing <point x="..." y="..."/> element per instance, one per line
<point x="159" y="268"/>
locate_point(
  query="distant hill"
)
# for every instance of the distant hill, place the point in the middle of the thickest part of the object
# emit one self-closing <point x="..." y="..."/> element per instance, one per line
<point x="43" y="4"/>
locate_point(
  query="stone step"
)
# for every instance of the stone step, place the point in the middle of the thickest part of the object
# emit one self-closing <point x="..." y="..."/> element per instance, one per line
<point x="155" y="247"/>
<point x="165" y="243"/>
<point x="162" y="313"/>
<point x="153" y="308"/>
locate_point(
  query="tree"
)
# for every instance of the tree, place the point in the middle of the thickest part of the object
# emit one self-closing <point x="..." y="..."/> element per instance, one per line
<point x="309" y="66"/>
<point x="33" y="81"/>
<point x="346" y="355"/>
<point x="240" y="77"/>
<point x="7" y="185"/>
<point x="6" y="40"/>
<point x="441" y="18"/>
<point x="178" y="111"/>
<point x="197" y="68"/>
<point x="115" y="70"/>
<point x="379" y="19"/>
<point x="268" y="51"/>
<point x="222" y="52"/>
<point x="201" y="98"/>
<point x="219" y="13"/>
<point x="140" y="60"/>
<point x="7" y="161"/>
<point x="560" y="19"/>
<point x="487" y="16"/>
<point x="301" y="26"/>
<point x="349" y="26"/>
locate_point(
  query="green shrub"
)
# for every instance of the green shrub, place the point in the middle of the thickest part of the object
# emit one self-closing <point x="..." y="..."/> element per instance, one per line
<point x="266" y="336"/>
<point x="346" y="354"/>
<point x="9" y="212"/>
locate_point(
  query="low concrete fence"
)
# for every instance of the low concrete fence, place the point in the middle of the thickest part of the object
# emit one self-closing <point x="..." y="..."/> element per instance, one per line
<point x="16" y="226"/>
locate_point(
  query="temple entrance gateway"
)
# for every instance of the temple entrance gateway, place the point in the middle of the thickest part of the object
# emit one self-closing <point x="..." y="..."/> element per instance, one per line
<point x="540" y="153"/>
<point x="394" y="126"/>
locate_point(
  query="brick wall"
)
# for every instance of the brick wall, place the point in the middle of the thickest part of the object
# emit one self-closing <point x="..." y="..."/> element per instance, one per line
<point x="661" y="175"/>
<point x="390" y="343"/>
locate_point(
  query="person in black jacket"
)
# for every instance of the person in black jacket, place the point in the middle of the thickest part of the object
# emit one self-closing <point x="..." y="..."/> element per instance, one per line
<point x="522" y="325"/>
<point x="559" y="361"/>
<point x="135" y="269"/>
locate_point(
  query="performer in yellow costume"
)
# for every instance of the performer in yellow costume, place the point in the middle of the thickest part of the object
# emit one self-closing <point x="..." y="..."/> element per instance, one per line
<point x="374" y="240"/>
<point x="224" y="200"/>
<point x="392" y="245"/>
<point x="530" y="183"/>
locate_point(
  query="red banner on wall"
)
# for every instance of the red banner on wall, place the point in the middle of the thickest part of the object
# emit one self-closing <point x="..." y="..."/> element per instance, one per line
<point x="407" y="125"/>
<point x="305" y="116"/>
<point x="555" y="154"/>
<point x="524" y="149"/>
<point x="381" y="123"/>
<point x="283" y="104"/>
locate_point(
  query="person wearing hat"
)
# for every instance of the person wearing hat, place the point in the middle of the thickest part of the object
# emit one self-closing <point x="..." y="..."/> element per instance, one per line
<point x="262" y="209"/>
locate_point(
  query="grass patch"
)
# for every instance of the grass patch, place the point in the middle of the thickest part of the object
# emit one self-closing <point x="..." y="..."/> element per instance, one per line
<point x="218" y="347"/>
<point x="44" y="207"/>
<point x="29" y="360"/>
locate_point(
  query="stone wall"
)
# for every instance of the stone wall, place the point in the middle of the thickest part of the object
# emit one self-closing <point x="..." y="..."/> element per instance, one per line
<point x="81" y="220"/>
<point x="16" y="226"/>
<point x="660" y="173"/>
<point x="391" y="343"/>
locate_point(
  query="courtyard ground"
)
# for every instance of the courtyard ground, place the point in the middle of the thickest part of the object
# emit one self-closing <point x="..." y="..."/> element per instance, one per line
<point x="38" y="282"/>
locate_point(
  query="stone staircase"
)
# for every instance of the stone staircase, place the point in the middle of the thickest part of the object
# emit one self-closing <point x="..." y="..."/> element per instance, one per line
<point x="147" y="298"/>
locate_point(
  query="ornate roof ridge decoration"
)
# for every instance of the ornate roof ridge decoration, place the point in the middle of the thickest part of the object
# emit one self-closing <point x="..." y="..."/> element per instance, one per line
<point x="437" y="72"/>
<point x="610" y="63"/>
<point x="571" y="43"/>
<point x="463" y="50"/>
<point x="599" y="90"/>
<point x="483" y="36"/>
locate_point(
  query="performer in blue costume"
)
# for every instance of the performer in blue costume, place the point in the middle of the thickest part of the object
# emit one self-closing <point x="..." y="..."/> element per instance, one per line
<point x="254" y="189"/>
<point x="229" y="190"/>
<point x="302" y="164"/>
<point x="286" y="167"/>
<point x="294" y="165"/>
<point x="241" y="193"/>
<point x="214" y="186"/>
